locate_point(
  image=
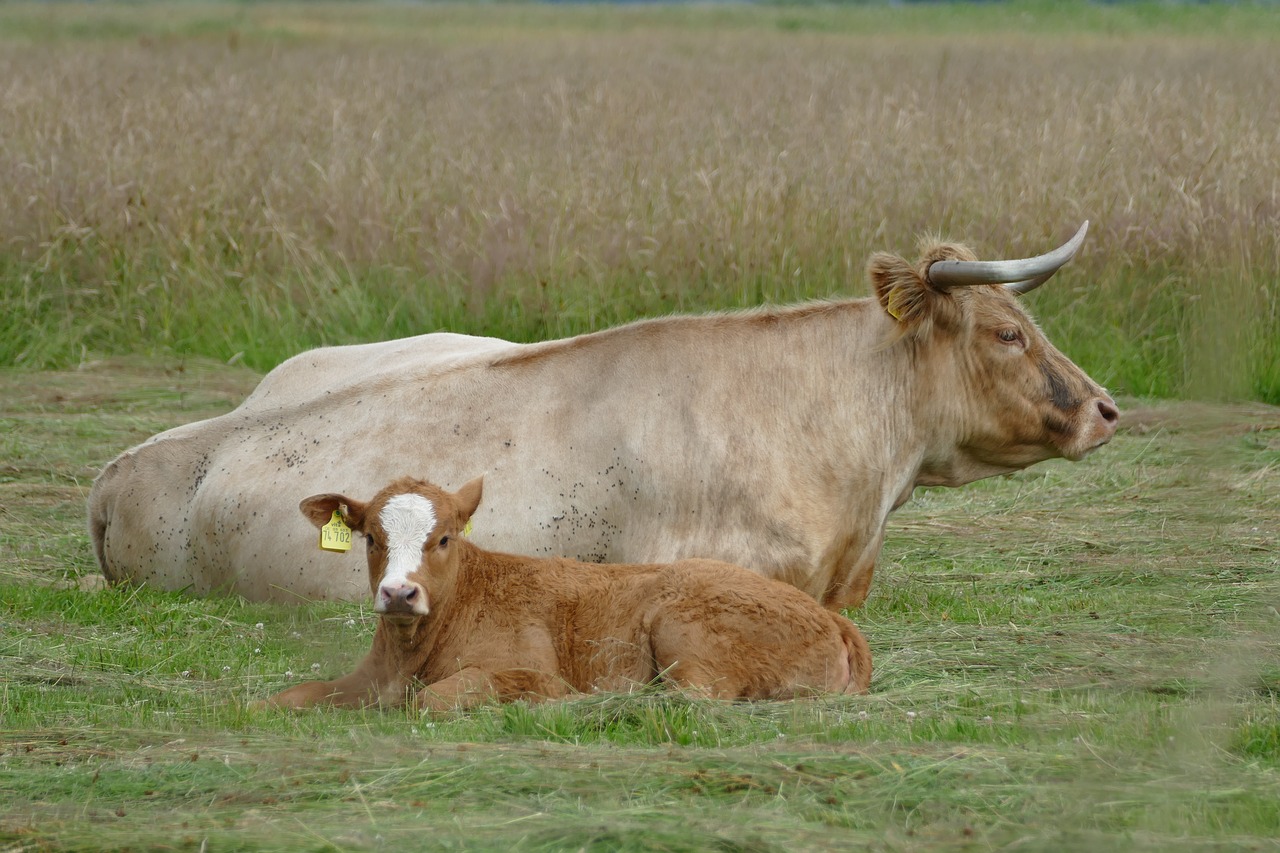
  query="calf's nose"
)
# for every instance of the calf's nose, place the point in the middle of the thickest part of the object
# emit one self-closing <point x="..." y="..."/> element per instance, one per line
<point x="401" y="598"/>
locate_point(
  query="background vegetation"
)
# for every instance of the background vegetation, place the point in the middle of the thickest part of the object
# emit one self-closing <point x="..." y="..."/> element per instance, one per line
<point x="245" y="181"/>
<point x="1077" y="657"/>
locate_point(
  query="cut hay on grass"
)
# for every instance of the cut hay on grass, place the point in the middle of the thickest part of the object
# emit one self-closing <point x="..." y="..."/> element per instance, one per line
<point x="1075" y="656"/>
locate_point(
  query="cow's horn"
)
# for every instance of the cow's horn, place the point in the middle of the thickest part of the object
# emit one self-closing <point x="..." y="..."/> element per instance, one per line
<point x="1020" y="276"/>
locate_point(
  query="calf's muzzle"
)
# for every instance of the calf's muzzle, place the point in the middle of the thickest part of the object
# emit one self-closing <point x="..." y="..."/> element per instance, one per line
<point x="401" y="598"/>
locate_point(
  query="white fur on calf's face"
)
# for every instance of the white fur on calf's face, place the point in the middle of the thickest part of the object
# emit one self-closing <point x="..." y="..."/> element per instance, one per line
<point x="407" y="521"/>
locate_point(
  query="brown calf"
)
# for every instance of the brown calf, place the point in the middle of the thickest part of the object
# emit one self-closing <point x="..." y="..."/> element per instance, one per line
<point x="460" y="625"/>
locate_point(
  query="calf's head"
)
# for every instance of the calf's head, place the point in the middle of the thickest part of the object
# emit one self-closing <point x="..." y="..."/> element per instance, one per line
<point x="410" y="528"/>
<point x="993" y="385"/>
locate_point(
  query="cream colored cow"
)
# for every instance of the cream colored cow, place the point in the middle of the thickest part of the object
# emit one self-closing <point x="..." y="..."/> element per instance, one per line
<point x="779" y="439"/>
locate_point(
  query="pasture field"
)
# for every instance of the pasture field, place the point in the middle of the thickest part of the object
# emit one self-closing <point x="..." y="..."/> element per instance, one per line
<point x="1076" y="657"/>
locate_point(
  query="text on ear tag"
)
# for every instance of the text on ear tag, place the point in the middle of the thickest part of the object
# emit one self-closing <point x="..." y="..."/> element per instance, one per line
<point x="335" y="536"/>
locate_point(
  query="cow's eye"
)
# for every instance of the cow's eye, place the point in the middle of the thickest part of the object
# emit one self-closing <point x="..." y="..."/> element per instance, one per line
<point x="368" y="540"/>
<point x="1009" y="336"/>
<point x="444" y="540"/>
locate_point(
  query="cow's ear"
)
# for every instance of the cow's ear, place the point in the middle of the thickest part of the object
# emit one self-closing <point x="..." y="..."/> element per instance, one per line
<point x="469" y="498"/>
<point x="319" y="510"/>
<point x="907" y="295"/>
<point x="900" y="289"/>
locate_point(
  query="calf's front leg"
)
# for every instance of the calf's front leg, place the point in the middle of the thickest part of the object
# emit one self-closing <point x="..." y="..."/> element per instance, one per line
<point x="368" y="685"/>
<point x="474" y="686"/>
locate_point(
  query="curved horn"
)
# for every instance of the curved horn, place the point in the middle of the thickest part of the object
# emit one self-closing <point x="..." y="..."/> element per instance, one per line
<point x="1020" y="276"/>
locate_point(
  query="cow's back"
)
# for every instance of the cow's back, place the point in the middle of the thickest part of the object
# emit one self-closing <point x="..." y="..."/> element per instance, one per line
<point x="212" y="505"/>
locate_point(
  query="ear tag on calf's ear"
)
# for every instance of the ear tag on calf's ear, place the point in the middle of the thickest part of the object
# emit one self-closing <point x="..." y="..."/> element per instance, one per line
<point x="335" y="536"/>
<point x="466" y="531"/>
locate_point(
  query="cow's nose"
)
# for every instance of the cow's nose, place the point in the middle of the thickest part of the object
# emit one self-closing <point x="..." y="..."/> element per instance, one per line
<point x="400" y="598"/>
<point x="1110" y="415"/>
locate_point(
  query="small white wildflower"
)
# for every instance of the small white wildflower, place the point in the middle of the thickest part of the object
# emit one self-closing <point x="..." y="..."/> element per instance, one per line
<point x="315" y="667"/>
<point x="296" y="635"/>
<point x="288" y="673"/>
<point x="259" y="626"/>
<point x="351" y="623"/>
<point x="911" y="715"/>
<point x="863" y="715"/>
<point x="987" y="719"/>
<point x="186" y="673"/>
<point x="257" y="651"/>
<point x="226" y="669"/>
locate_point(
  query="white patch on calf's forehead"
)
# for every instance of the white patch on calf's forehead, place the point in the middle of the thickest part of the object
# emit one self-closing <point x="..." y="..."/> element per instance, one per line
<point x="407" y="520"/>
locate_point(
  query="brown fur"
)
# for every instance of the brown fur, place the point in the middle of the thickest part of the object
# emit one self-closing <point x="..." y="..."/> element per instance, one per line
<point x="504" y="627"/>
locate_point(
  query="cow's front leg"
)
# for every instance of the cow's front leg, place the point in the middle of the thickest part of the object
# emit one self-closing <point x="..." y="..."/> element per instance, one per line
<point x="851" y="595"/>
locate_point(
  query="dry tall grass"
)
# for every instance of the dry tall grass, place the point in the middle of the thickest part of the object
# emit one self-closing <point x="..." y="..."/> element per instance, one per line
<point x="528" y="180"/>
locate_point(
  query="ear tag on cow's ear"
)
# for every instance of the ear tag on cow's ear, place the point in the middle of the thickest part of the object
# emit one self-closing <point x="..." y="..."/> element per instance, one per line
<point x="894" y="304"/>
<point x="466" y="530"/>
<point x="335" y="536"/>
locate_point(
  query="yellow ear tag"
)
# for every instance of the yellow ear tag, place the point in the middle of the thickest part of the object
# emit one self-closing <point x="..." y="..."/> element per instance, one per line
<point x="894" y="304"/>
<point x="466" y="531"/>
<point x="335" y="536"/>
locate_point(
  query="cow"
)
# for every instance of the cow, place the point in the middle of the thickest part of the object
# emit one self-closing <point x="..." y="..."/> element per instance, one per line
<point x="459" y="625"/>
<point x="777" y="438"/>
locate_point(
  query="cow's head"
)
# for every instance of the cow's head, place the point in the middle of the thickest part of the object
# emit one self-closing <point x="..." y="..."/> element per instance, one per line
<point x="997" y="395"/>
<point x="411" y="529"/>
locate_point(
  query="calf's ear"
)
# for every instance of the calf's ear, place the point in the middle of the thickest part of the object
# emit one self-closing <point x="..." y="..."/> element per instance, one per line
<point x="319" y="509"/>
<point x="469" y="498"/>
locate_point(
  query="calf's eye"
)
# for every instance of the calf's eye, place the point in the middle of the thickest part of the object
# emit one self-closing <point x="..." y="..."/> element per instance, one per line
<point x="444" y="540"/>
<point x="1009" y="336"/>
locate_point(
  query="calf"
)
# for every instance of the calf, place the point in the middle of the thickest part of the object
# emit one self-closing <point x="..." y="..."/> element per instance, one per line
<point x="461" y="625"/>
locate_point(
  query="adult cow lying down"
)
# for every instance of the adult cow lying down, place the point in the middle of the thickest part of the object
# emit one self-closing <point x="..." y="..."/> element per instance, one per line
<point x="460" y="625"/>
<point x="779" y="439"/>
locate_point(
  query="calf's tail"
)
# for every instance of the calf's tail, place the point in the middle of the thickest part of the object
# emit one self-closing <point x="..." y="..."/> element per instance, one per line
<point x="859" y="656"/>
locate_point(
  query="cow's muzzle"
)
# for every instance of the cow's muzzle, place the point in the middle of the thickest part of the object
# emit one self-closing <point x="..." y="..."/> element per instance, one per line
<point x="1098" y="421"/>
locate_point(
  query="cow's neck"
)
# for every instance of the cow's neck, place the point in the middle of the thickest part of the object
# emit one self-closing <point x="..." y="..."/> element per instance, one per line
<point x="854" y="427"/>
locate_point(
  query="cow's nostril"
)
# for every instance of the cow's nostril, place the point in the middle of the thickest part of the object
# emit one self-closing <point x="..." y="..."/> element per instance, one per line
<point x="1109" y="412"/>
<point x="411" y="593"/>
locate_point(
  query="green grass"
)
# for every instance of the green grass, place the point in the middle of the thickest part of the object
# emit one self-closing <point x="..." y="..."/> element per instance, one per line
<point x="1074" y="657"/>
